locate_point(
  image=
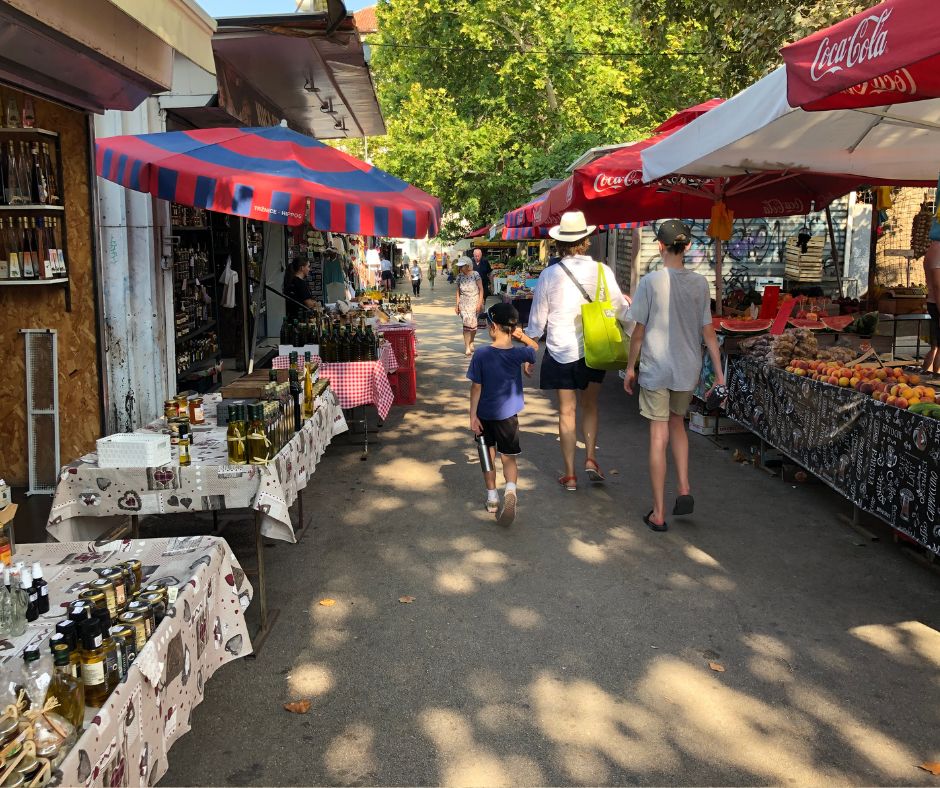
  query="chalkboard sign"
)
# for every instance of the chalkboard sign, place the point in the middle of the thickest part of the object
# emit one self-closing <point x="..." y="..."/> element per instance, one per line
<point x="883" y="459"/>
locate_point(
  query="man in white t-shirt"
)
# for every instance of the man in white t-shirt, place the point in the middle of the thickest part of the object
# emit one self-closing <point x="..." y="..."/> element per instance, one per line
<point x="672" y="310"/>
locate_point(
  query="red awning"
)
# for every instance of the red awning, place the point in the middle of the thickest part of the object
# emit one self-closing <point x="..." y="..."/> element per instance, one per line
<point x="889" y="54"/>
<point x="481" y="233"/>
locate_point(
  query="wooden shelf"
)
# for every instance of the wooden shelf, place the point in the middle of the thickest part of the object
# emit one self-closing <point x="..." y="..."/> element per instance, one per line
<point x="196" y="332"/>
<point x="58" y="281"/>
<point x="15" y="208"/>
<point x="28" y="132"/>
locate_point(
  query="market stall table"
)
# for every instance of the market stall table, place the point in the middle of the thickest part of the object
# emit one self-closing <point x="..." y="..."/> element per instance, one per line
<point x="126" y="741"/>
<point x="882" y="458"/>
<point x="88" y="498"/>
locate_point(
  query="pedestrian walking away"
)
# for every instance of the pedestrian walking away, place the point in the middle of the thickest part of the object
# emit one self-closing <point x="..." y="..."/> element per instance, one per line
<point x="469" y="301"/>
<point x="416" y="278"/>
<point x="385" y="265"/>
<point x="672" y="310"/>
<point x="556" y="313"/>
<point x="432" y="271"/>
<point x="496" y="400"/>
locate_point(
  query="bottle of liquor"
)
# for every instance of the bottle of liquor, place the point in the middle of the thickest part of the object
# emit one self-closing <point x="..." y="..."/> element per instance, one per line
<point x="52" y="184"/>
<point x="184" y="442"/>
<point x="19" y="600"/>
<point x="308" y="386"/>
<point x="295" y="397"/>
<point x="259" y="447"/>
<point x="60" y="254"/>
<point x="285" y="332"/>
<point x="38" y="185"/>
<point x="14" y="265"/>
<point x="28" y="117"/>
<point x="94" y="655"/>
<point x="67" y="688"/>
<point x="42" y="588"/>
<point x="315" y="332"/>
<point x="29" y="257"/>
<point x="372" y="342"/>
<point x="235" y="438"/>
<point x="326" y="344"/>
<point x="32" y="595"/>
<point x="23" y="168"/>
<point x="4" y="253"/>
<point x="46" y="270"/>
<point x="13" y="113"/>
<point x="11" y="183"/>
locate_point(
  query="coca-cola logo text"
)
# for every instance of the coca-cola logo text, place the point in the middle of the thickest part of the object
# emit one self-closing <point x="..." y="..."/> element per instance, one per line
<point x="868" y="42"/>
<point x="613" y="183"/>
<point x="778" y="207"/>
<point x="900" y="81"/>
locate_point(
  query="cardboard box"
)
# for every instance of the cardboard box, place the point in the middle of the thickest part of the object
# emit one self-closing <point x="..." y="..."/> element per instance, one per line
<point x="705" y="425"/>
<point x="903" y="305"/>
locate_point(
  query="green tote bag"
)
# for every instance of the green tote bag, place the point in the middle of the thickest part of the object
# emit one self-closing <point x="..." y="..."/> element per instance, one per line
<point x="606" y="346"/>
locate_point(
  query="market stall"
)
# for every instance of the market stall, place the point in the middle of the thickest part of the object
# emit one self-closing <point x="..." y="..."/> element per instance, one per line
<point x="150" y="679"/>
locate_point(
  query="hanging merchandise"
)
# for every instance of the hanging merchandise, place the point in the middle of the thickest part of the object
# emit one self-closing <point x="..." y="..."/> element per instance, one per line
<point x="229" y="279"/>
<point x="722" y="220"/>
<point x="920" y="230"/>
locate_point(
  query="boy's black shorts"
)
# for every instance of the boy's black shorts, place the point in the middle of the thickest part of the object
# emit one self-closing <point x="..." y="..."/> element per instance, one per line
<point x="503" y="434"/>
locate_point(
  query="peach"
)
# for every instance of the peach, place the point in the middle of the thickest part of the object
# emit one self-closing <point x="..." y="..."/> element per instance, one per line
<point x="891" y="400"/>
<point x="900" y="402"/>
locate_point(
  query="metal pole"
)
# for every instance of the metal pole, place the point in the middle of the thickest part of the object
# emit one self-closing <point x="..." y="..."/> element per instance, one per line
<point x="719" y="254"/>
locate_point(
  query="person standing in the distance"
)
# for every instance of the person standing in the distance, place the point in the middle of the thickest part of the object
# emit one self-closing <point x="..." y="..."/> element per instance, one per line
<point x="931" y="363"/>
<point x="297" y="289"/>
<point x="385" y="266"/>
<point x="416" y="278"/>
<point x="469" y="301"/>
<point x="432" y="270"/>
<point x="672" y="310"/>
<point x="556" y="313"/>
<point x="496" y="400"/>
<point x="482" y="266"/>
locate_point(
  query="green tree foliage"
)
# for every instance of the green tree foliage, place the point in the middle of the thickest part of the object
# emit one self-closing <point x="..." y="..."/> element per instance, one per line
<point x="741" y="39"/>
<point x="484" y="97"/>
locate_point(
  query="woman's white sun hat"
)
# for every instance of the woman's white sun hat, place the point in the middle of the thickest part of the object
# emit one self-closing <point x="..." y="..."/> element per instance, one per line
<point x="464" y="260"/>
<point x="572" y="227"/>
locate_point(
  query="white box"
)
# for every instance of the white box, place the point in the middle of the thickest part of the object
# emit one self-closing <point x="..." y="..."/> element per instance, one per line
<point x="705" y="425"/>
<point x="134" y="450"/>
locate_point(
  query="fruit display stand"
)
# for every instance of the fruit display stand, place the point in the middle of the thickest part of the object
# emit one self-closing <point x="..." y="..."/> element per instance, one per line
<point x="856" y="431"/>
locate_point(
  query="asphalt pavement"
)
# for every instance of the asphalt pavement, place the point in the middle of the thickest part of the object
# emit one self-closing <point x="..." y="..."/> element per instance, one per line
<point x="759" y="641"/>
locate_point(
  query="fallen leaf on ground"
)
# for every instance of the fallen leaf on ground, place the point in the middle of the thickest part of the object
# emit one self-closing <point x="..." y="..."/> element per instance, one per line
<point x="298" y="707"/>
<point x="716" y="667"/>
<point x="614" y="473"/>
<point x="930" y="766"/>
<point x="327" y="602"/>
<point x="406" y="600"/>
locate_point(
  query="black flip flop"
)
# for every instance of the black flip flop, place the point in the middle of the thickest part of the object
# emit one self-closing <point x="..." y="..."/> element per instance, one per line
<point x="654" y="526"/>
<point x="685" y="504"/>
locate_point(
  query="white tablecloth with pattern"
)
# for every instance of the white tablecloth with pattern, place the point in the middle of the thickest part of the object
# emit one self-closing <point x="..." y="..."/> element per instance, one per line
<point x="88" y="498"/>
<point x="126" y="741"/>
<point x="357" y="383"/>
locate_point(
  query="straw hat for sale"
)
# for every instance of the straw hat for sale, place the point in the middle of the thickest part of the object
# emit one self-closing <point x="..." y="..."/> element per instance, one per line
<point x="572" y="227"/>
<point x="464" y="260"/>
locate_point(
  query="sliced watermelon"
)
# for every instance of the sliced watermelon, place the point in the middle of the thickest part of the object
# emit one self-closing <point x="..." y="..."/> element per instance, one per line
<point x="812" y="325"/>
<point x="716" y="322"/>
<point x="745" y="326"/>
<point x="838" y="322"/>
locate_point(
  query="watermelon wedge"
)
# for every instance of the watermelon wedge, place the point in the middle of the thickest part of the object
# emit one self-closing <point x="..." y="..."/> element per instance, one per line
<point x="745" y="326"/>
<point x="716" y="322"/>
<point x="812" y="325"/>
<point x="838" y="322"/>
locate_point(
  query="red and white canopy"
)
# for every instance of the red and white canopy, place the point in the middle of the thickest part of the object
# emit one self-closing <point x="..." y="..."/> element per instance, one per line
<point x="889" y="54"/>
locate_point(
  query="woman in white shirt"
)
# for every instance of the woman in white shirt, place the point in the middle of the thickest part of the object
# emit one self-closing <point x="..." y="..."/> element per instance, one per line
<point x="556" y="313"/>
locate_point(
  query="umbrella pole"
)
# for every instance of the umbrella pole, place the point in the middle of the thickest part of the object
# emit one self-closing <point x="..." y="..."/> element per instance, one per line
<point x="719" y="256"/>
<point x="836" y="258"/>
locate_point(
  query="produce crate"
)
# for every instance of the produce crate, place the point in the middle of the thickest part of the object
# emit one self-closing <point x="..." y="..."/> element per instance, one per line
<point x="805" y="266"/>
<point x="403" y="343"/>
<point x="902" y="305"/>
<point x="134" y="450"/>
<point x="405" y="386"/>
<point x="705" y="425"/>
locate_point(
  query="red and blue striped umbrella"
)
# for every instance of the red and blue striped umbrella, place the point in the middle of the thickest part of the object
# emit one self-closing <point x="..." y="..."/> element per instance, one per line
<point x="523" y="215"/>
<point x="269" y="174"/>
<point x="529" y="232"/>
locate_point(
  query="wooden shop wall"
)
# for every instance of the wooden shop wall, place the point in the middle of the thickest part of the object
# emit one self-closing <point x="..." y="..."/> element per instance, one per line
<point x="43" y="306"/>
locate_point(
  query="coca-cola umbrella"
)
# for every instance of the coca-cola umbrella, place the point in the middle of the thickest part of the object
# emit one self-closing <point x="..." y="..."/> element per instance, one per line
<point x="889" y="54"/>
<point x="269" y="174"/>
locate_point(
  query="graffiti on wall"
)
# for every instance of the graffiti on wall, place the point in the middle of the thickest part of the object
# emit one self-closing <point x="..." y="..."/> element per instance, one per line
<point x="758" y="243"/>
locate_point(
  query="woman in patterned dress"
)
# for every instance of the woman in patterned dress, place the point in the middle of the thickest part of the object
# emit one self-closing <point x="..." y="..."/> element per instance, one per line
<point x="469" y="301"/>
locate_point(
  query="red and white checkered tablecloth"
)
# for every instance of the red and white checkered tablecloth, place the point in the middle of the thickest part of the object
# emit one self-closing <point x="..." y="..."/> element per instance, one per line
<point x="357" y="383"/>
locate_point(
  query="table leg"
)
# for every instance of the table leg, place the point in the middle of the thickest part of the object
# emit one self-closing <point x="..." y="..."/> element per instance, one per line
<point x="267" y="617"/>
<point x="301" y="528"/>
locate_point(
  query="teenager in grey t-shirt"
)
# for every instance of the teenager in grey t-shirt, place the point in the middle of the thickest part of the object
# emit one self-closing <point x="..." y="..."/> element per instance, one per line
<point x="674" y="305"/>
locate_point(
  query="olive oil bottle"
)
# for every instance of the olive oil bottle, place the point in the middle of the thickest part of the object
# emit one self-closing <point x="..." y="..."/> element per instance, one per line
<point x="66" y="688"/>
<point x="235" y="436"/>
<point x="95" y="673"/>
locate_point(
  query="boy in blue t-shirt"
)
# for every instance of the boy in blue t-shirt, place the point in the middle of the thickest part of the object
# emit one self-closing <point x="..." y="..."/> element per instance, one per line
<point x="496" y="399"/>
